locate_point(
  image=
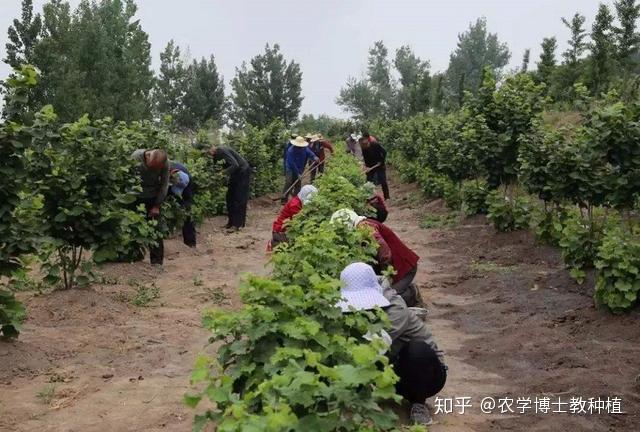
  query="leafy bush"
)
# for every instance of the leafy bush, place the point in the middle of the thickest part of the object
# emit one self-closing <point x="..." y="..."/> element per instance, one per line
<point x="290" y="360"/>
<point x="548" y="224"/>
<point x="508" y="213"/>
<point x="263" y="149"/>
<point x="85" y="181"/>
<point x="581" y="239"/>
<point x="474" y="197"/>
<point x="18" y="208"/>
<point x="433" y="185"/>
<point x="618" y="269"/>
<point x="12" y="313"/>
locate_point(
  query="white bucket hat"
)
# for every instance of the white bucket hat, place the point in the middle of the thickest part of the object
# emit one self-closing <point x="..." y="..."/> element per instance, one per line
<point x="347" y="217"/>
<point x="360" y="288"/>
<point x="299" y="142"/>
<point x="306" y="193"/>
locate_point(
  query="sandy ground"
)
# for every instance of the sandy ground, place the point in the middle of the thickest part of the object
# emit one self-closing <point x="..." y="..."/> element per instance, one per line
<point x="509" y="318"/>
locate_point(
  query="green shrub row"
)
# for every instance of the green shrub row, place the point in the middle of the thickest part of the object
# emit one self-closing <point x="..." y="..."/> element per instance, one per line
<point x="574" y="185"/>
<point x="289" y="360"/>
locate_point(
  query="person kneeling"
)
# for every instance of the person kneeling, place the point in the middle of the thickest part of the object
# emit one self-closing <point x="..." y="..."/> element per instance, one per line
<point x="413" y="353"/>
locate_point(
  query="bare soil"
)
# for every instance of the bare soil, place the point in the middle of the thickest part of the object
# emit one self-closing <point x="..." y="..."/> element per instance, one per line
<point x="512" y="323"/>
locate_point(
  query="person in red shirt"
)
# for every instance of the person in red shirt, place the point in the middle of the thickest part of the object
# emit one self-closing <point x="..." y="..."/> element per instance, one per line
<point x="290" y="209"/>
<point x="391" y="252"/>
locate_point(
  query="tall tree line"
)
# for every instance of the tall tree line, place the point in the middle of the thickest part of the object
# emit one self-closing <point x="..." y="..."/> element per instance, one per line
<point x="377" y="94"/>
<point x="96" y="59"/>
<point x="603" y="57"/>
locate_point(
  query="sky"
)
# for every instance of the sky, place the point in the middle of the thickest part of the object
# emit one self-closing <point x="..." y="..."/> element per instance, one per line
<point x="330" y="38"/>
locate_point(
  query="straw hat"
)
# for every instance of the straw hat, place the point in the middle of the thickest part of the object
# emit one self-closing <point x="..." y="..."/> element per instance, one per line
<point x="299" y="142"/>
<point x="309" y="136"/>
<point x="316" y="137"/>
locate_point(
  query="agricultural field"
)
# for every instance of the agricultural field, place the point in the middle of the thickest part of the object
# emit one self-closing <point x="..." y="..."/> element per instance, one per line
<point x="162" y="270"/>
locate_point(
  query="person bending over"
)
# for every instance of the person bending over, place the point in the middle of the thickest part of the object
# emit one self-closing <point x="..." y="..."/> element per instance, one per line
<point x="290" y="209"/>
<point x="183" y="188"/>
<point x="391" y="252"/>
<point x="239" y="172"/>
<point x="153" y="169"/>
<point x="375" y="159"/>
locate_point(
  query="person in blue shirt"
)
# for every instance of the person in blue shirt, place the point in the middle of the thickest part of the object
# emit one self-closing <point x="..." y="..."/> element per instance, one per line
<point x="183" y="188"/>
<point x="298" y="155"/>
<point x="286" y="148"/>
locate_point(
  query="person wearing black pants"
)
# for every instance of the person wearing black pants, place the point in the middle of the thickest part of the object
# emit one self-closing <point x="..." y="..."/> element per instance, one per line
<point x="415" y="357"/>
<point x="237" y="198"/>
<point x="239" y="172"/>
<point x="153" y="169"/>
<point x="183" y="188"/>
<point x="375" y="157"/>
<point x="421" y="372"/>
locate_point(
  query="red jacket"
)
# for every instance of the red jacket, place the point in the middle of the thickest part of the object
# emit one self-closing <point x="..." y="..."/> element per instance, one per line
<point x="392" y="250"/>
<point x="290" y="209"/>
<point x="320" y="146"/>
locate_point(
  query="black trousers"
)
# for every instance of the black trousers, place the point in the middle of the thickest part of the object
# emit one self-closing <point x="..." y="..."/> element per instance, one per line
<point x="319" y="169"/>
<point x="278" y="238"/>
<point x="189" y="226"/>
<point x="379" y="178"/>
<point x="156" y="252"/>
<point x="421" y="372"/>
<point x="289" y="180"/>
<point x="238" y="197"/>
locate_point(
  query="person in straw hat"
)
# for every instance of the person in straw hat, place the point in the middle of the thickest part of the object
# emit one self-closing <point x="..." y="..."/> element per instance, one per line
<point x="297" y="157"/>
<point x="391" y="252"/>
<point x="413" y="352"/>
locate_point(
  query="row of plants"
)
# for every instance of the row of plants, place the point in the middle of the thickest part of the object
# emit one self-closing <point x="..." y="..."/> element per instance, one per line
<point x="289" y="360"/>
<point x="70" y="189"/>
<point x="576" y="185"/>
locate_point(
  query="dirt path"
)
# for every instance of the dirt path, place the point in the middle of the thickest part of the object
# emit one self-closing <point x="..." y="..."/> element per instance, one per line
<point x="509" y="318"/>
<point x="115" y="366"/>
<point x="515" y="325"/>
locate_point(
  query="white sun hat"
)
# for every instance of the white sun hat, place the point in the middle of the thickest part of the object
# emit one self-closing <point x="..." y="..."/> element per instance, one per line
<point x="299" y="142"/>
<point x="306" y="193"/>
<point x="347" y="217"/>
<point x="360" y="288"/>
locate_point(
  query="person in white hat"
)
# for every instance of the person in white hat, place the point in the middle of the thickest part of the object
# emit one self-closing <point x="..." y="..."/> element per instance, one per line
<point x="297" y="157"/>
<point x="413" y="353"/>
<point x="290" y="209"/>
<point x="391" y="252"/>
<point x="352" y="144"/>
